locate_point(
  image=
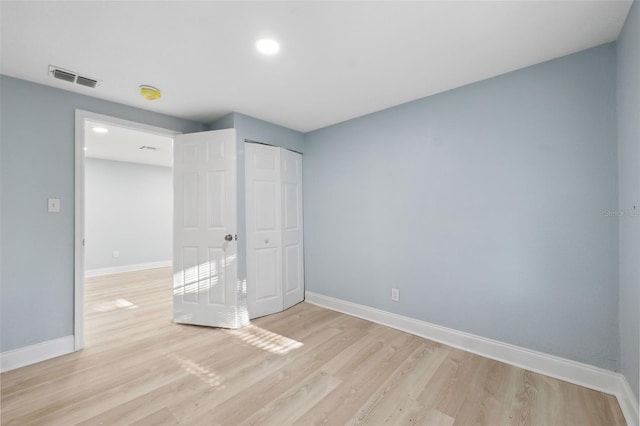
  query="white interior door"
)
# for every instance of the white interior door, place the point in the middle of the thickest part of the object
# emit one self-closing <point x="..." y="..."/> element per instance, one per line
<point x="204" y="246"/>
<point x="264" y="236"/>
<point x="292" y="247"/>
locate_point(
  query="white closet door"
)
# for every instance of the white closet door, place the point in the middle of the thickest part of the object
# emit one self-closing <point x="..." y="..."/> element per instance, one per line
<point x="204" y="250"/>
<point x="292" y="248"/>
<point x="264" y="232"/>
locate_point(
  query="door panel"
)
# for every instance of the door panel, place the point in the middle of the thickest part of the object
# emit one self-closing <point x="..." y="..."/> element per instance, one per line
<point x="215" y="200"/>
<point x="267" y="270"/>
<point x="264" y="237"/>
<point x="292" y="233"/>
<point x="190" y="203"/>
<point x="291" y="206"/>
<point x="205" y="263"/>
<point x="292" y="262"/>
<point x="217" y="291"/>
<point x="188" y="284"/>
<point x="266" y="205"/>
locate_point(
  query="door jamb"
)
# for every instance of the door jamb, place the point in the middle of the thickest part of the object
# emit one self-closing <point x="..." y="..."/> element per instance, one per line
<point x="78" y="283"/>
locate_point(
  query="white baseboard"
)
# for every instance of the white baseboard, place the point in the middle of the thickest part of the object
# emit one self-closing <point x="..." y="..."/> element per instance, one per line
<point x="560" y="368"/>
<point x="27" y="355"/>
<point x="126" y="268"/>
<point x="628" y="402"/>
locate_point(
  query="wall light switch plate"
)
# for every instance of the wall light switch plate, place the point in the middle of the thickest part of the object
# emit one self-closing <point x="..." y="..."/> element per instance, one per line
<point x="53" y="205"/>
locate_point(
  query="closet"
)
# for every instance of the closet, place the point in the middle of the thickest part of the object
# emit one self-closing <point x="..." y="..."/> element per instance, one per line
<point x="215" y="239"/>
<point x="274" y="239"/>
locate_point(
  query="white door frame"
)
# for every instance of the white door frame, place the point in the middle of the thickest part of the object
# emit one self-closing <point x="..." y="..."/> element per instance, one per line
<point x="78" y="273"/>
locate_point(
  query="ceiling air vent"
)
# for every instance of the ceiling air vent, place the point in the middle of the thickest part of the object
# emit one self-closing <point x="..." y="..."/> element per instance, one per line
<point x="63" y="75"/>
<point x="72" y="77"/>
<point x="150" y="148"/>
<point x="84" y="81"/>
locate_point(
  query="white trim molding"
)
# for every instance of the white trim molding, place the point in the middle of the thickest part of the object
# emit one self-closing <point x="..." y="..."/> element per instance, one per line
<point x="560" y="368"/>
<point x="127" y="268"/>
<point x="628" y="402"/>
<point x="28" y="355"/>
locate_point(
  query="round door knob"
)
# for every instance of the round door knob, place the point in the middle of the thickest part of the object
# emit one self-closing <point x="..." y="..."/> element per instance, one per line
<point x="228" y="237"/>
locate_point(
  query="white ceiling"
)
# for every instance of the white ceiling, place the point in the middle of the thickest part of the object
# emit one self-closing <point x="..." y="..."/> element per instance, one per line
<point x="123" y="144"/>
<point x="338" y="60"/>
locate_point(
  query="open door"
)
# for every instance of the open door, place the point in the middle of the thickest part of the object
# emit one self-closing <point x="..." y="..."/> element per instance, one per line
<point x="205" y="289"/>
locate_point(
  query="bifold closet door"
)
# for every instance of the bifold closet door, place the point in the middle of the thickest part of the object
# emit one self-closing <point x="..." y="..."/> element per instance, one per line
<point x="264" y="229"/>
<point x="292" y="251"/>
<point x="275" y="272"/>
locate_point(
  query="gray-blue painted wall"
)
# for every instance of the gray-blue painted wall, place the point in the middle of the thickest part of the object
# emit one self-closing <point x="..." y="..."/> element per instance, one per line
<point x="128" y="209"/>
<point x="629" y="162"/>
<point x="253" y="129"/>
<point x="225" y="122"/>
<point x="484" y="205"/>
<point x="37" y="137"/>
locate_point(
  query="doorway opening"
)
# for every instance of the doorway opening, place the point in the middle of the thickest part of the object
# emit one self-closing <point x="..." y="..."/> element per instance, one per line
<point x="123" y="206"/>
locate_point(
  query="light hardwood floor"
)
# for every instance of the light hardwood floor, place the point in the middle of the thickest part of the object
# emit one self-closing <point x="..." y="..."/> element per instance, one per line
<point x="307" y="365"/>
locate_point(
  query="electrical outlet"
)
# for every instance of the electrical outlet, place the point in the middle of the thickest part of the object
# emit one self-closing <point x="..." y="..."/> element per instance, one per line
<point x="395" y="294"/>
<point x="116" y="253"/>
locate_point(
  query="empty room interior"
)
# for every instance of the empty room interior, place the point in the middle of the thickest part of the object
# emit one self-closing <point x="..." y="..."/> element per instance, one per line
<point x="320" y="212"/>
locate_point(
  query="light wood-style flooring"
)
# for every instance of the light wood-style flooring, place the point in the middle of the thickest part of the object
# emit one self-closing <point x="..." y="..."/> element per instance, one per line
<point x="307" y="365"/>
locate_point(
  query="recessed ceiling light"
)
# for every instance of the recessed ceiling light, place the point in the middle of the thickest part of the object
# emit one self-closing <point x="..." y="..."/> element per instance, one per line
<point x="86" y="149"/>
<point x="268" y="46"/>
<point x="98" y="129"/>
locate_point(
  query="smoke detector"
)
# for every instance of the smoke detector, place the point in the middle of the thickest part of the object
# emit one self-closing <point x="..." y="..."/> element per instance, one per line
<point x="72" y="77"/>
<point x="150" y="93"/>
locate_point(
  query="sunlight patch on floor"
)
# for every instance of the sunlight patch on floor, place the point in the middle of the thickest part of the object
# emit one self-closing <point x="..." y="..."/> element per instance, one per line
<point x="209" y="377"/>
<point x="112" y="305"/>
<point x="266" y="340"/>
